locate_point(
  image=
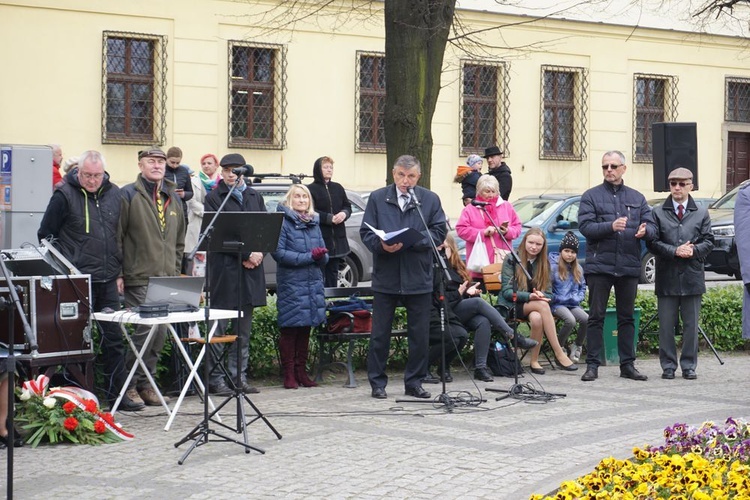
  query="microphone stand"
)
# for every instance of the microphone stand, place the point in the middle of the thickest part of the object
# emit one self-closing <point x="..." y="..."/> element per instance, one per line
<point x="444" y="398"/>
<point x="11" y="362"/>
<point x="518" y="391"/>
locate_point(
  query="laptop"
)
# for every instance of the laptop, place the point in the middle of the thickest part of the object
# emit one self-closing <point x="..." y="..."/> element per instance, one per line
<point x="179" y="293"/>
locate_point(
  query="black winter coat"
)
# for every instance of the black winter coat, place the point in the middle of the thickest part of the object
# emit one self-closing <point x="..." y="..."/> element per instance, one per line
<point x="504" y="178"/>
<point x="329" y="198"/>
<point x="607" y="251"/>
<point x="408" y="271"/>
<point x="675" y="275"/>
<point x="222" y="267"/>
<point x="85" y="226"/>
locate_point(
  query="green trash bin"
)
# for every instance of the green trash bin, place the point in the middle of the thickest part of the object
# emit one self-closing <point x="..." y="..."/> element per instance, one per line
<point x="610" y="355"/>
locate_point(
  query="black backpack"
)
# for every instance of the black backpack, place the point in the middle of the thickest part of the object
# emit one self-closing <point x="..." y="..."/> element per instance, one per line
<point x="500" y="361"/>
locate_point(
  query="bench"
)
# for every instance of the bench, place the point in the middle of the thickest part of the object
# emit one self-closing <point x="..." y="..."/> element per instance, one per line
<point x="329" y="343"/>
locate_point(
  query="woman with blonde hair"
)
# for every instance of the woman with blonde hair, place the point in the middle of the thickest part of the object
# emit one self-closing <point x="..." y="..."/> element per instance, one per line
<point x="533" y="298"/>
<point x="301" y="257"/>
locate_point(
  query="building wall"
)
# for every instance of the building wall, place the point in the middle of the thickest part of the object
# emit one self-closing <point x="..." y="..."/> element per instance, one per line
<point x="50" y="89"/>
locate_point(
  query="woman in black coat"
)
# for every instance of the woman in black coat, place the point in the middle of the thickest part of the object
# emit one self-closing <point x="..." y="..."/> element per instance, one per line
<point x="223" y="274"/>
<point x="334" y="208"/>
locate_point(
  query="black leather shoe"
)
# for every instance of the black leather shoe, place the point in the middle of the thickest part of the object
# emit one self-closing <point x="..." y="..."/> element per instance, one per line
<point x="430" y="378"/>
<point x="379" y="393"/>
<point x="667" y="374"/>
<point x="592" y="373"/>
<point x="524" y="343"/>
<point x="570" y="368"/>
<point x="417" y="392"/>
<point x="537" y="371"/>
<point x="629" y="371"/>
<point x="689" y="374"/>
<point x="448" y="376"/>
<point x="127" y="404"/>
<point x="249" y="389"/>
<point x="220" y="389"/>
<point x="483" y="374"/>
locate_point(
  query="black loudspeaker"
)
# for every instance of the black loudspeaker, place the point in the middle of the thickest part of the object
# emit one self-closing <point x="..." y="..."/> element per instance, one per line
<point x="675" y="145"/>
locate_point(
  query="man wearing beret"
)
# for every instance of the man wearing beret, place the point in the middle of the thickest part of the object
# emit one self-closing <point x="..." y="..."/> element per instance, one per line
<point x="151" y="235"/>
<point x="499" y="170"/>
<point x="683" y="241"/>
<point x="223" y="271"/>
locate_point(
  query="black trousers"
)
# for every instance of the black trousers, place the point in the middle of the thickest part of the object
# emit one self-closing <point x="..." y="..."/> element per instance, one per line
<point x="626" y="288"/>
<point x="112" y="355"/>
<point x="418" y="331"/>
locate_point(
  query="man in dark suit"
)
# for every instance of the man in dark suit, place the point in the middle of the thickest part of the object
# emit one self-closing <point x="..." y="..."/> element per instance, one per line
<point x="223" y="272"/>
<point x="402" y="274"/>
<point x="683" y="240"/>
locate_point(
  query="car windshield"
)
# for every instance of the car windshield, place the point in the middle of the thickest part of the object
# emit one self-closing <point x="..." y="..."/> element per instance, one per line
<point x="533" y="212"/>
<point x="727" y="201"/>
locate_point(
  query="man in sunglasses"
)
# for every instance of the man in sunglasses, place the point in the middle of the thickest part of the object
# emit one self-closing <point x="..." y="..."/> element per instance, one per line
<point x="613" y="218"/>
<point x="683" y="240"/>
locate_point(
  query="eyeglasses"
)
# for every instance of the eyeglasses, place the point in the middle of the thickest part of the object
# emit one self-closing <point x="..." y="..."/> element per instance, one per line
<point x="607" y="166"/>
<point x="89" y="176"/>
<point x="681" y="183"/>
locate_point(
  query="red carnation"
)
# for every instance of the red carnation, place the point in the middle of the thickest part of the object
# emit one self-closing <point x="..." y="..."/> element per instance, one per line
<point x="71" y="423"/>
<point x="69" y="407"/>
<point x="99" y="427"/>
<point x="90" y="405"/>
<point x="107" y="417"/>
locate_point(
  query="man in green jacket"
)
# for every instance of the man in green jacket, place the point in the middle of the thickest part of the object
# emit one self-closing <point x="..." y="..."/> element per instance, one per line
<point x="152" y="237"/>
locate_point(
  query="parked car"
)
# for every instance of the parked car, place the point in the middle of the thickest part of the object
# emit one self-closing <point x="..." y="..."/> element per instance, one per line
<point x="723" y="259"/>
<point x="701" y="202"/>
<point x="355" y="267"/>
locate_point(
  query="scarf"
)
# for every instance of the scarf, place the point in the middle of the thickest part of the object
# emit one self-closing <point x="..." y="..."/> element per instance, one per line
<point x="491" y="209"/>
<point x="237" y="193"/>
<point x="208" y="183"/>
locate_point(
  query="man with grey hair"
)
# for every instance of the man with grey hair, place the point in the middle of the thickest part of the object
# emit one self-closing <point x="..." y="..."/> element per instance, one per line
<point x="82" y="218"/>
<point x="402" y="274"/>
<point x="683" y="241"/>
<point x="613" y="218"/>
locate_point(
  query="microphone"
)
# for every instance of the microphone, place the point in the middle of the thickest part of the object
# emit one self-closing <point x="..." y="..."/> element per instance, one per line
<point x="414" y="196"/>
<point x="477" y="203"/>
<point x="245" y="171"/>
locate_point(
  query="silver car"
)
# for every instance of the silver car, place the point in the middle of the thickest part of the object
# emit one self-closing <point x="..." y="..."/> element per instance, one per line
<point x="355" y="267"/>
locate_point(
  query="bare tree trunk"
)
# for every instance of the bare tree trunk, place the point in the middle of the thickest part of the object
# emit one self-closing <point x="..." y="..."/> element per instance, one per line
<point x="416" y="33"/>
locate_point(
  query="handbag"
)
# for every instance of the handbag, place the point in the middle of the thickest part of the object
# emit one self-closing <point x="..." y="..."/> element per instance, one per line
<point x="352" y="315"/>
<point x="491" y="277"/>
<point x="478" y="258"/>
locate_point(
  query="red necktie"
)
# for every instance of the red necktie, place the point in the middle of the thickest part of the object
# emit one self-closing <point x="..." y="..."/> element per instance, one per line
<point x="680" y="212"/>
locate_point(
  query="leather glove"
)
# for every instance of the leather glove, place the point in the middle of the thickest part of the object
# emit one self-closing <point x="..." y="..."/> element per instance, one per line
<point x="319" y="252"/>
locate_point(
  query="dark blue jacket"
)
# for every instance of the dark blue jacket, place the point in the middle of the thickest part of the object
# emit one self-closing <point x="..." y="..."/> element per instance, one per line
<point x="607" y="251"/>
<point x="299" y="278"/>
<point x="408" y="271"/>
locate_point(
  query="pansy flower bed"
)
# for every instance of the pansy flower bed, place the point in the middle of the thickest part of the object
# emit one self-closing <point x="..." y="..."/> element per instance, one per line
<point x="702" y="463"/>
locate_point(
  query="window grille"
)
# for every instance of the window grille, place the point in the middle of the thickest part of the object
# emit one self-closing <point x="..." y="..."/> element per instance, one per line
<point x="485" y="116"/>
<point x="257" y="95"/>
<point x="134" y="80"/>
<point x="737" y="100"/>
<point x="655" y="100"/>
<point x="563" y="113"/>
<point x="370" y="105"/>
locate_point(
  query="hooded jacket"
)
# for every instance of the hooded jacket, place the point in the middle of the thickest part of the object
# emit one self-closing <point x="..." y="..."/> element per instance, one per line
<point x="329" y="198"/>
<point x="566" y="292"/>
<point x="85" y="226"/>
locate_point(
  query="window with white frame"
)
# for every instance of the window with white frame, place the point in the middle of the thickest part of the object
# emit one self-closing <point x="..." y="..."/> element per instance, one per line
<point x="563" y="115"/>
<point x="370" y="102"/>
<point x="655" y="101"/>
<point x="484" y="106"/>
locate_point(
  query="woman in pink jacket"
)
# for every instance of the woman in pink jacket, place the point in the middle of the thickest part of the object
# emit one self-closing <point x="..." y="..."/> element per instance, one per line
<point x="474" y="220"/>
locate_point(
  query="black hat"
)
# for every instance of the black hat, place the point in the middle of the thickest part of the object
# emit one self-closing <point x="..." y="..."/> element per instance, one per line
<point x="493" y="151"/>
<point x="154" y="152"/>
<point x="233" y="160"/>
<point x="570" y="240"/>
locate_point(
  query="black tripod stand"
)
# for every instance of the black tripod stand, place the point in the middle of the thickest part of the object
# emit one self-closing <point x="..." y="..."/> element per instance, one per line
<point x="654" y="316"/>
<point x="232" y="232"/>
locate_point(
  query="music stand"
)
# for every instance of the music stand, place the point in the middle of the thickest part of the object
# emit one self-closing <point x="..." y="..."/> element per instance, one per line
<point x="232" y="232"/>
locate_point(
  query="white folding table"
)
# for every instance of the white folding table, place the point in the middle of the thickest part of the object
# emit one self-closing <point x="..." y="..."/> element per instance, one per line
<point x="126" y="317"/>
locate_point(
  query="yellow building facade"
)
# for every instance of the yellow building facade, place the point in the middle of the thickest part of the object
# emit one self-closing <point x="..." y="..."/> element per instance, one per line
<point x="63" y="82"/>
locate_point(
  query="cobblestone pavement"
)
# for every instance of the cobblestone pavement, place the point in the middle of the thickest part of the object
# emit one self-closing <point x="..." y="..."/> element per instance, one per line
<point x="341" y="443"/>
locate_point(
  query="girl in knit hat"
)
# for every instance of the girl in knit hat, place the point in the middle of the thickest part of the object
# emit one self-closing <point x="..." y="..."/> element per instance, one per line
<point x="468" y="176"/>
<point x="568" y="291"/>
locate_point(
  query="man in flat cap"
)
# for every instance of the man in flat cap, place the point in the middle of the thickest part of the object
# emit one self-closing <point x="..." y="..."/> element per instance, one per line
<point x="151" y="235"/>
<point x="499" y="170"/>
<point x="683" y="241"/>
<point x="223" y="271"/>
